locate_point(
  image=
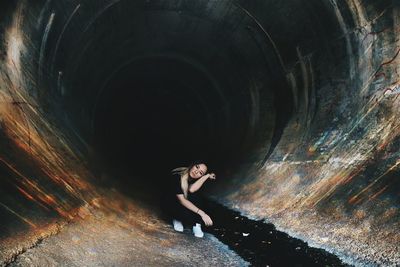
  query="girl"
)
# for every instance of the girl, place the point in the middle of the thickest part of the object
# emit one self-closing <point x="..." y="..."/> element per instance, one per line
<point x="183" y="202"/>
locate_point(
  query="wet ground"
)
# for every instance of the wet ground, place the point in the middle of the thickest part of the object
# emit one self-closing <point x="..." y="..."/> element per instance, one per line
<point x="261" y="244"/>
<point x="114" y="231"/>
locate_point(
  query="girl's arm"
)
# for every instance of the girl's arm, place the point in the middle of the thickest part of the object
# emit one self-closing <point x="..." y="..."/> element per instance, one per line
<point x="197" y="185"/>
<point x="188" y="204"/>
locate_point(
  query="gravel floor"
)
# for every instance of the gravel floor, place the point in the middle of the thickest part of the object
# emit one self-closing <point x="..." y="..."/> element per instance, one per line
<point x="119" y="234"/>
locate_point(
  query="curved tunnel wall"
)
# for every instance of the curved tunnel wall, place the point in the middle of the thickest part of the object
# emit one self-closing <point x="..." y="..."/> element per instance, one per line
<point x="296" y="105"/>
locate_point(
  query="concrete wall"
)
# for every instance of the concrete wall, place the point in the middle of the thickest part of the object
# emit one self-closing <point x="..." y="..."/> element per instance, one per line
<point x="309" y="91"/>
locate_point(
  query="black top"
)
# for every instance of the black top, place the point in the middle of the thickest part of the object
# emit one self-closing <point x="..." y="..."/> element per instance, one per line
<point x="176" y="184"/>
<point x="173" y="188"/>
<point x="169" y="201"/>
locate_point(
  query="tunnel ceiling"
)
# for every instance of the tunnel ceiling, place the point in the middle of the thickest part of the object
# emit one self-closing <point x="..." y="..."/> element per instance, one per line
<point x="294" y="104"/>
<point x="218" y="70"/>
<point x="241" y="111"/>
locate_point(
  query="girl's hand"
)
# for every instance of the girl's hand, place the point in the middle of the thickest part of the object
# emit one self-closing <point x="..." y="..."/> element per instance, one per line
<point x="206" y="219"/>
<point x="212" y="176"/>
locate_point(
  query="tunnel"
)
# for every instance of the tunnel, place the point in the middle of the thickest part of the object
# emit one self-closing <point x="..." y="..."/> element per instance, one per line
<point x="293" y="104"/>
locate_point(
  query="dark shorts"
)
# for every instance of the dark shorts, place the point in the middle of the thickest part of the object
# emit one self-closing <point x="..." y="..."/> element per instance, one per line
<point x="173" y="209"/>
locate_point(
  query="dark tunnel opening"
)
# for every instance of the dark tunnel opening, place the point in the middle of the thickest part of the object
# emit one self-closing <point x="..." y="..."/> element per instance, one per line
<point x="294" y="104"/>
<point x="191" y="87"/>
<point x="164" y="112"/>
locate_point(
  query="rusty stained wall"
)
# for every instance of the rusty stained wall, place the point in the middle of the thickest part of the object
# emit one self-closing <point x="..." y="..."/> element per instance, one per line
<point x="333" y="179"/>
<point x="43" y="178"/>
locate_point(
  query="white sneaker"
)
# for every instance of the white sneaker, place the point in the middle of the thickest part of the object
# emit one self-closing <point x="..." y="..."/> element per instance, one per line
<point x="177" y="225"/>
<point x="197" y="230"/>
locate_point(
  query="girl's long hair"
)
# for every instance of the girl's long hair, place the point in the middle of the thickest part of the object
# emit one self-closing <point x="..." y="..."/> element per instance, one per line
<point x="184" y="173"/>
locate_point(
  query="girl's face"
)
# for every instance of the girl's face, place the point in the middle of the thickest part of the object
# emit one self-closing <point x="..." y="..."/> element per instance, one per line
<point x="198" y="170"/>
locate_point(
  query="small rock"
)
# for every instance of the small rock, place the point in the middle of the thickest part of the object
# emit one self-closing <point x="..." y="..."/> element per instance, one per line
<point x="75" y="239"/>
<point x="92" y="251"/>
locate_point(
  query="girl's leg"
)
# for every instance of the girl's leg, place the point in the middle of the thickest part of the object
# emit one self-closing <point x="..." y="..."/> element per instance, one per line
<point x="187" y="216"/>
<point x="198" y="200"/>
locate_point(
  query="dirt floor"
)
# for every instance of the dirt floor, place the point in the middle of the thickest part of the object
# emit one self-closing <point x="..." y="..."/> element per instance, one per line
<point x="112" y="232"/>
